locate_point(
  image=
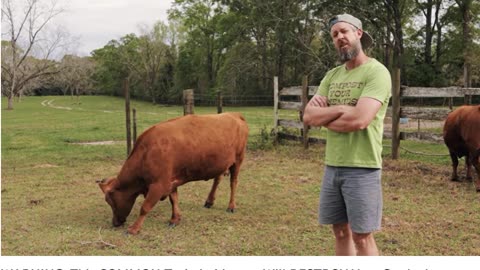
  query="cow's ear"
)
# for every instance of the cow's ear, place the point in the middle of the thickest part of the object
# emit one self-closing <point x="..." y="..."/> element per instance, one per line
<point x="105" y="184"/>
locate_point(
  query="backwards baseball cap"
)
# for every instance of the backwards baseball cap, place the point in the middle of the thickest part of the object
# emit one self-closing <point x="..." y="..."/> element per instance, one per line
<point x="366" y="39"/>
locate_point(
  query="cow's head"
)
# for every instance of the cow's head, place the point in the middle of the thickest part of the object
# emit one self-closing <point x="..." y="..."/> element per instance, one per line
<point x="120" y="200"/>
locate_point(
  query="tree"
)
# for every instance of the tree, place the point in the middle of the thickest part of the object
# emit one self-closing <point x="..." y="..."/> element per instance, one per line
<point x="117" y="61"/>
<point x="108" y="71"/>
<point x="459" y="63"/>
<point x="465" y="7"/>
<point x="147" y="61"/>
<point x="154" y="55"/>
<point x="431" y="11"/>
<point x="75" y="74"/>
<point x="28" y="36"/>
<point x="200" y="19"/>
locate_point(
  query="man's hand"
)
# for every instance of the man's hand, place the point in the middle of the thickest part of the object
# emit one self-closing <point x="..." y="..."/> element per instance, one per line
<point x="319" y="101"/>
<point x="317" y="112"/>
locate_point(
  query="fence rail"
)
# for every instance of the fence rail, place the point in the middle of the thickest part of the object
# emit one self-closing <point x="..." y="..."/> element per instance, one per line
<point x="422" y="113"/>
<point x="445" y="92"/>
<point x="301" y="93"/>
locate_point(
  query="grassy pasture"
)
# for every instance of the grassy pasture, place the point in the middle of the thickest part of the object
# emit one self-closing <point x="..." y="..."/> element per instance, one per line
<point x="52" y="206"/>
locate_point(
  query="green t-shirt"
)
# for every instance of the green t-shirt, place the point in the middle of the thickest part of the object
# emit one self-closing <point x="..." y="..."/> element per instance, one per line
<point x="361" y="148"/>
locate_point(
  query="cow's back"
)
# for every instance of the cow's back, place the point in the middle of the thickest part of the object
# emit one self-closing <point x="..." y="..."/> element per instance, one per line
<point x="192" y="147"/>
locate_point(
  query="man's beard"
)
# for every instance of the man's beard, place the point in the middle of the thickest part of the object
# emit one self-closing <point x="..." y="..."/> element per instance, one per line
<point x="349" y="54"/>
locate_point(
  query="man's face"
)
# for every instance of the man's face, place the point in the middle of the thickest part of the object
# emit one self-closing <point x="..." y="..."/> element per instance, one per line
<point x="346" y="39"/>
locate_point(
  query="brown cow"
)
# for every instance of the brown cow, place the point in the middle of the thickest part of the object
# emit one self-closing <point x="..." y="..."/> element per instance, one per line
<point x="172" y="153"/>
<point x="461" y="134"/>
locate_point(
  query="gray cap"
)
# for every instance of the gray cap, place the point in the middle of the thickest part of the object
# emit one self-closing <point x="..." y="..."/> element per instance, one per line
<point x="366" y="39"/>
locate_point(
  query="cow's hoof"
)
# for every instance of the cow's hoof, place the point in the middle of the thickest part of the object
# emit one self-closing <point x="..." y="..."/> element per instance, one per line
<point x="230" y="210"/>
<point x="132" y="231"/>
<point x="455" y="180"/>
<point x="208" y="205"/>
<point x="171" y="225"/>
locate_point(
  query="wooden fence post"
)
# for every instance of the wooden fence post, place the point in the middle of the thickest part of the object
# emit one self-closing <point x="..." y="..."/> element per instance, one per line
<point x="134" y="111"/>
<point x="275" y="109"/>
<point x="396" y="113"/>
<point x="127" y="115"/>
<point x="304" y="104"/>
<point x="188" y="103"/>
<point x="219" y="102"/>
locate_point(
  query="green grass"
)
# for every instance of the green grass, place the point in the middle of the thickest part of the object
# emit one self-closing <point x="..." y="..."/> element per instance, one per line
<point x="51" y="204"/>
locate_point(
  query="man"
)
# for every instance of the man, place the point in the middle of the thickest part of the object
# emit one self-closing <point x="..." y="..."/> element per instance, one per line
<point x="351" y="103"/>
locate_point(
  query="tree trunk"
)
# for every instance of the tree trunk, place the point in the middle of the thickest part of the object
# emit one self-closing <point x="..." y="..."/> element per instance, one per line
<point x="394" y="7"/>
<point x="428" y="32"/>
<point x="465" y="6"/>
<point x="10" y="102"/>
<point x="210" y="63"/>
<point x="12" y="87"/>
<point x="126" y="92"/>
<point x="438" y="50"/>
<point x="152" y="94"/>
<point x="396" y="113"/>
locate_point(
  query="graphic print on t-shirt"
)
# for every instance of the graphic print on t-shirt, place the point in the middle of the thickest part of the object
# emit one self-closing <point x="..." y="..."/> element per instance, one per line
<point x="344" y="93"/>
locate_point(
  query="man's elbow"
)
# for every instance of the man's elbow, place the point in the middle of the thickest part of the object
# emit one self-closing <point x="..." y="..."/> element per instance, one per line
<point x="307" y="118"/>
<point x="360" y="124"/>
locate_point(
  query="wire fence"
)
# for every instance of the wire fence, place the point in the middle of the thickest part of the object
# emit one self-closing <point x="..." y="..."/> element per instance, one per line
<point x="233" y="100"/>
<point x="260" y="119"/>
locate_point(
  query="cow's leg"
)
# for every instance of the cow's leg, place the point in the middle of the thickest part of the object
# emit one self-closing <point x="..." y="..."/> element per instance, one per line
<point x="176" y="215"/>
<point x="234" y="171"/>
<point x="454" y="158"/>
<point x="468" y="165"/>
<point x="155" y="193"/>
<point x="476" y="164"/>
<point x="211" y="196"/>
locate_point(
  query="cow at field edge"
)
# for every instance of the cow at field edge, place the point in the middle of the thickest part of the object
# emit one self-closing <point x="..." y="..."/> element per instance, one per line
<point x="461" y="134"/>
<point x="172" y="153"/>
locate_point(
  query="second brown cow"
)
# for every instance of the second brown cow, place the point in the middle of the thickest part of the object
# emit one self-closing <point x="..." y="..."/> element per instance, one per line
<point x="461" y="134"/>
<point x="172" y="153"/>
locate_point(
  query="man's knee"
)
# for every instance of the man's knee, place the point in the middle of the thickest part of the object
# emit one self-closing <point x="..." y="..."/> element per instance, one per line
<point x="362" y="240"/>
<point x="342" y="231"/>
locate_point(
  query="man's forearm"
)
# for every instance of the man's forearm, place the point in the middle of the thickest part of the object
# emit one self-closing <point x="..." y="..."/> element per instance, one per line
<point x="349" y="121"/>
<point x="320" y="116"/>
<point x="342" y="124"/>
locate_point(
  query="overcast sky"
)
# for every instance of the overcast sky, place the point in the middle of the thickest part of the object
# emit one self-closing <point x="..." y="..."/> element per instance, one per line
<point x="95" y="22"/>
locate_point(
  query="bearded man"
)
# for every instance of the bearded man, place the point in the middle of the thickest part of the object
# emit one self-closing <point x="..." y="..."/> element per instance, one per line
<point x="351" y="102"/>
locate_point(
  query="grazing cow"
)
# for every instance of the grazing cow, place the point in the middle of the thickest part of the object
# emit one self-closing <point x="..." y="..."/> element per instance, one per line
<point x="172" y="153"/>
<point x="461" y="134"/>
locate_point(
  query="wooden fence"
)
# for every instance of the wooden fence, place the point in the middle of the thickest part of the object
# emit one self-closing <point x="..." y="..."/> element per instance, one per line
<point x="304" y="92"/>
<point x="426" y="113"/>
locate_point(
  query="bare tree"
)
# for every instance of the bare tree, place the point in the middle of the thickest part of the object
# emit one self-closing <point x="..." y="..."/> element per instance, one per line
<point x="24" y="25"/>
<point x="75" y="75"/>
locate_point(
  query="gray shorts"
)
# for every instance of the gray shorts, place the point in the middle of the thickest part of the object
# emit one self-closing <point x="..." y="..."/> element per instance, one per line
<point x="352" y="195"/>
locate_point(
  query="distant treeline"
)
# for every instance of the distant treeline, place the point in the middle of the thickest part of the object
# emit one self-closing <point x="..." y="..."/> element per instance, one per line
<point x="237" y="47"/>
